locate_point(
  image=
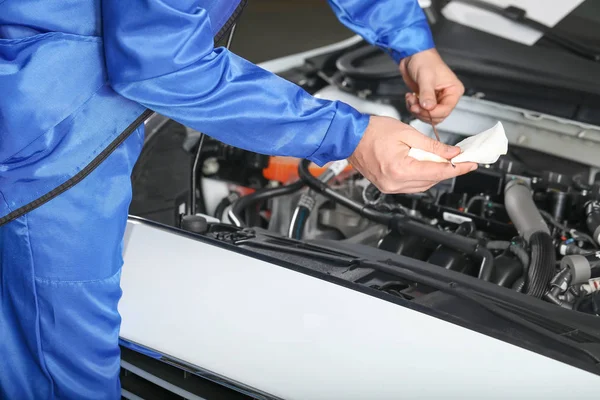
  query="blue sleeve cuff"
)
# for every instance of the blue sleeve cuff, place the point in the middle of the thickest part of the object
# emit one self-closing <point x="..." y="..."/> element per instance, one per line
<point x="343" y="135"/>
<point x="399" y="27"/>
<point x="408" y="41"/>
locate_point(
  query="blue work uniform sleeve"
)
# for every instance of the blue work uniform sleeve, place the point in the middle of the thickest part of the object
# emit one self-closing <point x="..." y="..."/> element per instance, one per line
<point x="161" y="54"/>
<point x="397" y="26"/>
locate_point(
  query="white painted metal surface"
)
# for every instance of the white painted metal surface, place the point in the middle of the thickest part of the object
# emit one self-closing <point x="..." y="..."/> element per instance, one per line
<point x="299" y="337"/>
<point x="283" y="63"/>
<point x="557" y="136"/>
<point x="364" y="106"/>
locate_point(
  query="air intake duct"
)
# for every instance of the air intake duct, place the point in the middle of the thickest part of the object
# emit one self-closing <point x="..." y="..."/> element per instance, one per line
<point x="530" y="224"/>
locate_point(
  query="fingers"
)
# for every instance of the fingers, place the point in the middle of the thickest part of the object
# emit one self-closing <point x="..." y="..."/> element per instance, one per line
<point x="412" y="103"/>
<point x="436" y="88"/>
<point x="382" y="157"/>
<point x="441" y="112"/>
<point x="428" y="174"/>
<point x="416" y="139"/>
<point x="446" y="103"/>
<point x="447" y="100"/>
<point x="420" y="185"/>
<point x="427" y="82"/>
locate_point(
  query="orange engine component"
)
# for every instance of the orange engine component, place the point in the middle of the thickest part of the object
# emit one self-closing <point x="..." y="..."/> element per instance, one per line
<point x="285" y="169"/>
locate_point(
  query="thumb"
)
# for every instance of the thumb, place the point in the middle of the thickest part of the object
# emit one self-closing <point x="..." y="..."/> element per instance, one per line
<point x="416" y="139"/>
<point x="426" y="82"/>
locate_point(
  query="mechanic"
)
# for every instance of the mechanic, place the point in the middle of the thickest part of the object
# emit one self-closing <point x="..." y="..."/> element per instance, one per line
<point x="77" y="78"/>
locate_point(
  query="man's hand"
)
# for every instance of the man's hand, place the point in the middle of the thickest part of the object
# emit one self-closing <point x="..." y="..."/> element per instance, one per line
<point x="436" y="88"/>
<point x="382" y="157"/>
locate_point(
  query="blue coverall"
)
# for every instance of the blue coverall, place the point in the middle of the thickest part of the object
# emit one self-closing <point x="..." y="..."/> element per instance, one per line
<point x="74" y="76"/>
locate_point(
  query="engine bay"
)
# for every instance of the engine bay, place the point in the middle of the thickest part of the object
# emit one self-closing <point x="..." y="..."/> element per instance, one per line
<point x="529" y="223"/>
<point x="532" y="232"/>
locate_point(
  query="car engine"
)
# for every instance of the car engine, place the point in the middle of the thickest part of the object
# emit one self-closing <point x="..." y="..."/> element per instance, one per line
<point x="533" y="232"/>
<point x="529" y="223"/>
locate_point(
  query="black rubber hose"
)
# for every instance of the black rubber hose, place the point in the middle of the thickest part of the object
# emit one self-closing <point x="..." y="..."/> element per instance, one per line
<point x="224" y="203"/>
<point x="305" y="205"/>
<point x="513" y="246"/>
<point x="518" y="251"/>
<point x="528" y="220"/>
<point x="542" y="264"/>
<point x="521" y="254"/>
<point x="260" y="195"/>
<point x="401" y="223"/>
<point x="324" y="189"/>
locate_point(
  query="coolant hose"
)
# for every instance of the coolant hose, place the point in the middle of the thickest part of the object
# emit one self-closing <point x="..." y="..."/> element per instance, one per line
<point x="307" y="200"/>
<point x="518" y="251"/>
<point x="521" y="254"/>
<point x="260" y="195"/>
<point x="530" y="224"/>
<point x="401" y="223"/>
<point x="322" y="187"/>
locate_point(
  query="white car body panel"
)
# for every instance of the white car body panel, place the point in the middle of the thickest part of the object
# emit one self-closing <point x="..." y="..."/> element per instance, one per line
<point x="296" y="336"/>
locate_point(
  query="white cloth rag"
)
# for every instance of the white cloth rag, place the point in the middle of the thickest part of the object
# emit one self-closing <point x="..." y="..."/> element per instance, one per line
<point x="483" y="148"/>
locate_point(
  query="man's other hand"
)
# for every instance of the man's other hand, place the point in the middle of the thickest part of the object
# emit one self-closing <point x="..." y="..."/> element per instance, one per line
<point x="436" y="89"/>
<point x="382" y="157"/>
